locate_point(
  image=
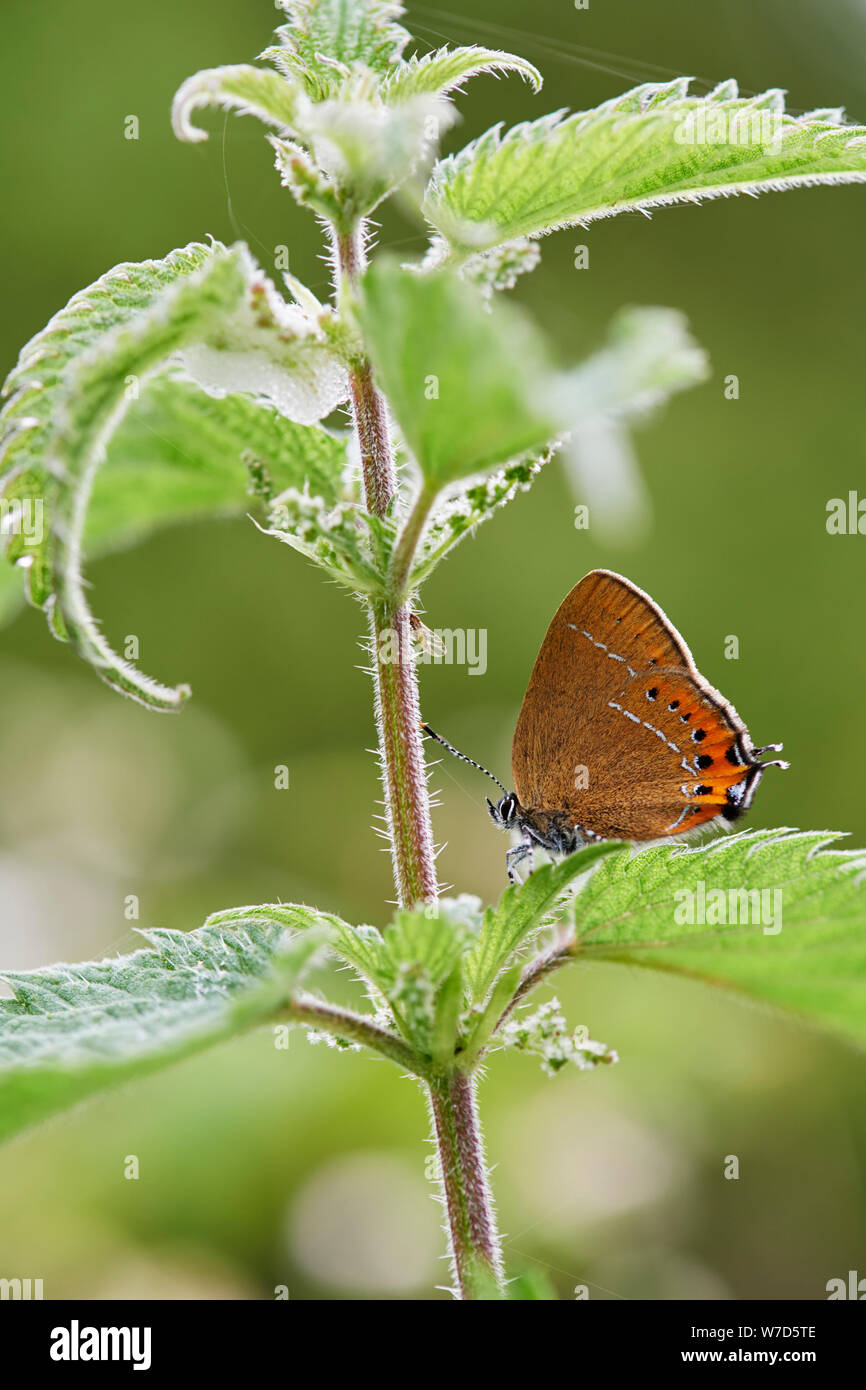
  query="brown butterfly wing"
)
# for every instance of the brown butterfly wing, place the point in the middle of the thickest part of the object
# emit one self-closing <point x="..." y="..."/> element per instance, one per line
<point x="610" y="655"/>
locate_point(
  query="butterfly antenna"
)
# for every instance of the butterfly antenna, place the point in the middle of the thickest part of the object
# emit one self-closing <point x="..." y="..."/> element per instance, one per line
<point x="462" y="756"/>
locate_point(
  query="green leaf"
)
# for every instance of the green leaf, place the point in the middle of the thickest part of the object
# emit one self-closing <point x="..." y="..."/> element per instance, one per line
<point x="446" y="1018"/>
<point x="180" y="454"/>
<point x="433" y="940"/>
<point x="649" y="355"/>
<point x="270" y="96"/>
<point x="357" y="122"/>
<point x="487" y="1017"/>
<point x="265" y="347"/>
<point x="38" y="383"/>
<point x="652" y="146"/>
<point x="71" y="387"/>
<point x="445" y="70"/>
<point x="523" y="910"/>
<point x="324" y="39"/>
<point x="83" y="394"/>
<point x="420" y="972"/>
<point x="90" y="410"/>
<point x="798" y="943"/>
<point x="361" y="947"/>
<point x="74" y="1030"/>
<point x="466" y="381"/>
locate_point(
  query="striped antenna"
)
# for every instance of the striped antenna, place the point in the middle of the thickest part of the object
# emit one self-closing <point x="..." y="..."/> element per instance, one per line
<point x="462" y="756"/>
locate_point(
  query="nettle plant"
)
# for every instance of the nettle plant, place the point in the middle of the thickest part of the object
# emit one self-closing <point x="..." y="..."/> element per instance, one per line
<point x="196" y="385"/>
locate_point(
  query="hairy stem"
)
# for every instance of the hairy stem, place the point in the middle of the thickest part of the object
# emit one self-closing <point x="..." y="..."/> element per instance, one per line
<point x="398" y="716"/>
<point x="562" y="953"/>
<point x="473" y="1237"/>
<point x="407" y="804"/>
<point x="407" y="544"/>
<point x="476" y="1255"/>
<point x="352" y="1027"/>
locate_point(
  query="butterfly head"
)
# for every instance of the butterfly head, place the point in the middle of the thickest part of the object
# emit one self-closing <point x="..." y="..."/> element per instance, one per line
<point x="505" y="813"/>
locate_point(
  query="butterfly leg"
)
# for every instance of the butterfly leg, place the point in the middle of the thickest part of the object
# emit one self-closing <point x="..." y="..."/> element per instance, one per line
<point x="516" y="855"/>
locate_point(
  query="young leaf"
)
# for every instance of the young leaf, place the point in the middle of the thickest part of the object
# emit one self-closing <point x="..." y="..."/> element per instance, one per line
<point x="324" y="39"/>
<point x="365" y="149"/>
<point x="467" y="383"/>
<point x="73" y="1030"/>
<point x="436" y="941"/>
<point x="250" y="91"/>
<point x="348" y="132"/>
<point x="333" y="537"/>
<point x="652" y="146"/>
<point x="445" y="70"/>
<point x="356" y="121"/>
<point x="772" y="913"/>
<point x="421" y="974"/>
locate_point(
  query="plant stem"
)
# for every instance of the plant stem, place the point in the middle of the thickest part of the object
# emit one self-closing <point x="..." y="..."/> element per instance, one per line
<point x="562" y="953"/>
<point x="407" y="544"/>
<point x="398" y="716"/>
<point x="343" y="1023"/>
<point x="473" y="1237"/>
<point x="476" y="1255"/>
<point x="407" y="803"/>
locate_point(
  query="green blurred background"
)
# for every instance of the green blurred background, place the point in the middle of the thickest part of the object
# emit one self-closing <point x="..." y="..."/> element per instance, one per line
<point x="306" y="1169"/>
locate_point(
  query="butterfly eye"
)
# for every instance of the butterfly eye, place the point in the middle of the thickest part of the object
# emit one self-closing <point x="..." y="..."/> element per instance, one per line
<point x="507" y="807"/>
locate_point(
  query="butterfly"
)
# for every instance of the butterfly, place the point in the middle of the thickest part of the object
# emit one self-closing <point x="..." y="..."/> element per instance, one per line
<point x="619" y="736"/>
